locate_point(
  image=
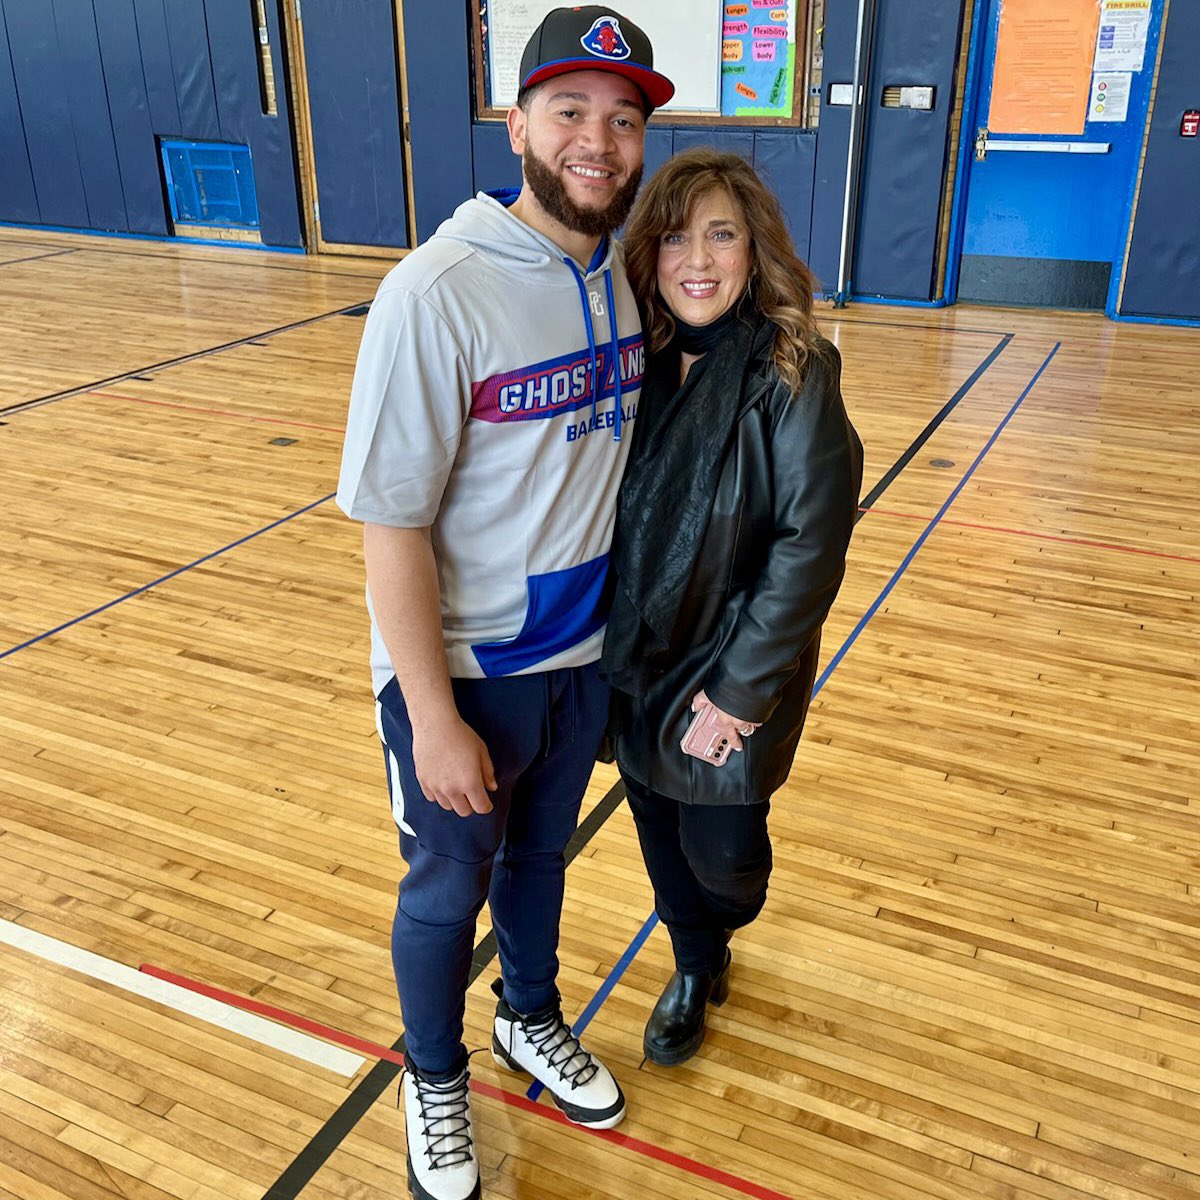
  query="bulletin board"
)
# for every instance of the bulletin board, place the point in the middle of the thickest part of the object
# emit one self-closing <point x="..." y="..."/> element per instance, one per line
<point x="686" y="35"/>
<point x="732" y="63"/>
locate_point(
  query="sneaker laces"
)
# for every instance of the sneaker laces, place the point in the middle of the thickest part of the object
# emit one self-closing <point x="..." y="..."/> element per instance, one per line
<point x="444" y="1112"/>
<point x="552" y="1039"/>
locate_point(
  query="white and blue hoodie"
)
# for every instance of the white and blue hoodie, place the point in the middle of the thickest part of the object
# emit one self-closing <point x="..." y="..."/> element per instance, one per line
<point x="485" y="405"/>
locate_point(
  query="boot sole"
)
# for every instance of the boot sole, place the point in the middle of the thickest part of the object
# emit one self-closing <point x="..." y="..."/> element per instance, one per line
<point x="503" y="1059"/>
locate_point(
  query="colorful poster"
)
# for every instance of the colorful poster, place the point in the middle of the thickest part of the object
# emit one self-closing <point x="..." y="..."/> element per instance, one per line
<point x="1043" y="75"/>
<point x="758" y="59"/>
<point x="1124" y="30"/>
<point x="1110" y="95"/>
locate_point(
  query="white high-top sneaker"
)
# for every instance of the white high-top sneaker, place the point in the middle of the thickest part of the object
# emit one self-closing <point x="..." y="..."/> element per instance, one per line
<point x="543" y="1046"/>
<point x="441" y="1147"/>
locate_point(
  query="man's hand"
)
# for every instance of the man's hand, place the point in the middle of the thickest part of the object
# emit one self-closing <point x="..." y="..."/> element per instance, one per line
<point x="730" y="726"/>
<point x="453" y="767"/>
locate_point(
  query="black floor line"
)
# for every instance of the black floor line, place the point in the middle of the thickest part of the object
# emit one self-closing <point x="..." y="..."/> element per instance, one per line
<point x="26" y="405"/>
<point x="311" y="269"/>
<point x="908" y="325"/>
<point x="300" y="1172"/>
<point x="12" y="262"/>
<point x="893" y="473"/>
<point x="312" y="1158"/>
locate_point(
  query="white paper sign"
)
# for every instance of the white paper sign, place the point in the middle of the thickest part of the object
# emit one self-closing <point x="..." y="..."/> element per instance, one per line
<point x="685" y="34"/>
<point x="1110" y="96"/>
<point x="1121" y="42"/>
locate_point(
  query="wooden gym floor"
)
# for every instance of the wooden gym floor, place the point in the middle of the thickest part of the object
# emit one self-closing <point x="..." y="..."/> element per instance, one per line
<point x="978" y="974"/>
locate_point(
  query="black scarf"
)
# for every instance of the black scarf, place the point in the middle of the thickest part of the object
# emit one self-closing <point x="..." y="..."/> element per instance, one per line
<point x="700" y="339"/>
<point x="679" y="447"/>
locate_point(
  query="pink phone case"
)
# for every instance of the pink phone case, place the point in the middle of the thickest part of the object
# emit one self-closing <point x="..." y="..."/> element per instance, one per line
<point x="704" y="739"/>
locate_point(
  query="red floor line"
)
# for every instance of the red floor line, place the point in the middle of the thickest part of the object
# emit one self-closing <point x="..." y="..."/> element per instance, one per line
<point x="217" y="412"/>
<point x="1046" y="537"/>
<point x="647" y="1149"/>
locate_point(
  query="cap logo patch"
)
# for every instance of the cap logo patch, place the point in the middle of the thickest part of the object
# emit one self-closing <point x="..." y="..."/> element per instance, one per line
<point x="605" y="39"/>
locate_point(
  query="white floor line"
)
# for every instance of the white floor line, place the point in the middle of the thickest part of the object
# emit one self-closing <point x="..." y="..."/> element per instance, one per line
<point x="215" y="1012"/>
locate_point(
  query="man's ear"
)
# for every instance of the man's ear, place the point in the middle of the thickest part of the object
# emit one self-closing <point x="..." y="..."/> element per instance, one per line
<point x="518" y="122"/>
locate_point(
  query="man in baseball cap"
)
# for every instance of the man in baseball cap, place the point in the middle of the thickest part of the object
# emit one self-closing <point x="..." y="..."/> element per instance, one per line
<point x="500" y="365"/>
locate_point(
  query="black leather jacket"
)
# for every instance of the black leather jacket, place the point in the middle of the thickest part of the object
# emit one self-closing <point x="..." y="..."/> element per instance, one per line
<point x="772" y="560"/>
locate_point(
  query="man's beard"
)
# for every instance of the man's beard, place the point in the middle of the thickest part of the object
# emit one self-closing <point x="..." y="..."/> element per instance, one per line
<point x="551" y="193"/>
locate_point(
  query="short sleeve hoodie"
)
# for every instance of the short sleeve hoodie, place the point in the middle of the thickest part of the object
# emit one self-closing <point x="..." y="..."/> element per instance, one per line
<point x="491" y="401"/>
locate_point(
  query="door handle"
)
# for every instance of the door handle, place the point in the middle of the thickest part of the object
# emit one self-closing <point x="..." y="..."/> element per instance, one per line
<point x="984" y="145"/>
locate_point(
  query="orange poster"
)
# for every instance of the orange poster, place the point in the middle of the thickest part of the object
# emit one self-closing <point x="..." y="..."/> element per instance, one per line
<point x="1043" y="73"/>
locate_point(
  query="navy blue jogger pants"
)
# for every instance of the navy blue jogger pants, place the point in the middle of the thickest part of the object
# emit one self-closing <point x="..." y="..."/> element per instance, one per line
<point x="542" y="732"/>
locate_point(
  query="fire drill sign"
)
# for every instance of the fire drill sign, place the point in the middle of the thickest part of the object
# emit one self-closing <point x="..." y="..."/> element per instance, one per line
<point x="758" y="58"/>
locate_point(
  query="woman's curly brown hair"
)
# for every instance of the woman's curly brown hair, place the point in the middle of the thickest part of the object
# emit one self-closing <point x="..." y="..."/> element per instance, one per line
<point x="781" y="285"/>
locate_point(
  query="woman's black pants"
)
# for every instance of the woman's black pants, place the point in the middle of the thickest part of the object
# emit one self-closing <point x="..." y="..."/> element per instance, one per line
<point x="709" y="864"/>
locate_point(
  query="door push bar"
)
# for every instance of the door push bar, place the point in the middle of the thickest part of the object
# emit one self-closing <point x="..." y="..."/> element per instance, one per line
<point x="984" y="145"/>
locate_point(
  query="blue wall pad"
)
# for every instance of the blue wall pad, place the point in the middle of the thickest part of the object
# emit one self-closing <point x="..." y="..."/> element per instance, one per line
<point x="833" y="143"/>
<point x="90" y="86"/>
<point x="907" y="150"/>
<point x="239" y="106"/>
<point x="495" y="165"/>
<point x="18" y="199"/>
<point x="354" y="98"/>
<point x="45" y="109"/>
<point x="439" y="94"/>
<point x="1163" y="275"/>
<point x="82" y="81"/>
<point x="192" y="67"/>
<point x="126" y="72"/>
<point x="787" y="160"/>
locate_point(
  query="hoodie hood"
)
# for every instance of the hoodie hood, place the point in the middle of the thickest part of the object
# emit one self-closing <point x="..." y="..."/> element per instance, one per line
<point x="485" y="224"/>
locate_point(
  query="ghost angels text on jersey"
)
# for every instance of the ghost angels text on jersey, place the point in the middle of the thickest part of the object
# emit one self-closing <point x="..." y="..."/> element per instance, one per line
<point x="559" y="385"/>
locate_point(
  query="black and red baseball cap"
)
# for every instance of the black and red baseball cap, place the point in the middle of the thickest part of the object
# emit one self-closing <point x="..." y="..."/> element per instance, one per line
<point x="592" y="38"/>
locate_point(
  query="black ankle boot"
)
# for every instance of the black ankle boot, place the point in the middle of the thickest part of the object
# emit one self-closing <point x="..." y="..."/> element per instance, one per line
<point x="676" y="1026"/>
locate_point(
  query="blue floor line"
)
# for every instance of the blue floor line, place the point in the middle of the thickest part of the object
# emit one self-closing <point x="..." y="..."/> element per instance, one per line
<point x="178" y="571"/>
<point x="631" y="951"/>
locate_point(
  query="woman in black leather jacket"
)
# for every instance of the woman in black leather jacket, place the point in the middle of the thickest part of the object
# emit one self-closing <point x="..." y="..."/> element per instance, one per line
<point x="732" y="531"/>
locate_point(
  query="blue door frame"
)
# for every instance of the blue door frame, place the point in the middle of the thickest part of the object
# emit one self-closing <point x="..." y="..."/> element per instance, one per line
<point x="978" y="91"/>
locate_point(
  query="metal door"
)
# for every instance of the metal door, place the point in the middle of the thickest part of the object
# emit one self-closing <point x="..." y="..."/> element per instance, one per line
<point x="1047" y="214"/>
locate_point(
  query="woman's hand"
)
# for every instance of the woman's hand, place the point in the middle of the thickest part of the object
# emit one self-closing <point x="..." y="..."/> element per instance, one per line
<point x="729" y="725"/>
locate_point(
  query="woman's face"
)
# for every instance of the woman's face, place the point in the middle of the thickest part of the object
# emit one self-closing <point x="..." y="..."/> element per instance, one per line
<point x="703" y="268"/>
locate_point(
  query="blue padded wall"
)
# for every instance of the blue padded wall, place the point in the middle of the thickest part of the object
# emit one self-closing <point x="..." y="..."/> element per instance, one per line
<point x="784" y="157"/>
<point x="94" y="81"/>
<point x="148" y="25"/>
<point x="731" y="141"/>
<point x="240" y="117"/>
<point x="787" y="160"/>
<point x="87" y="98"/>
<point x="439" y="98"/>
<point x="18" y="199"/>
<point x="906" y="151"/>
<point x="188" y="38"/>
<point x="495" y="165"/>
<point x="1163" y="275"/>
<point x="46" y="112"/>
<point x="118" y="26"/>
<point x="833" y="142"/>
<point x="354" y="98"/>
